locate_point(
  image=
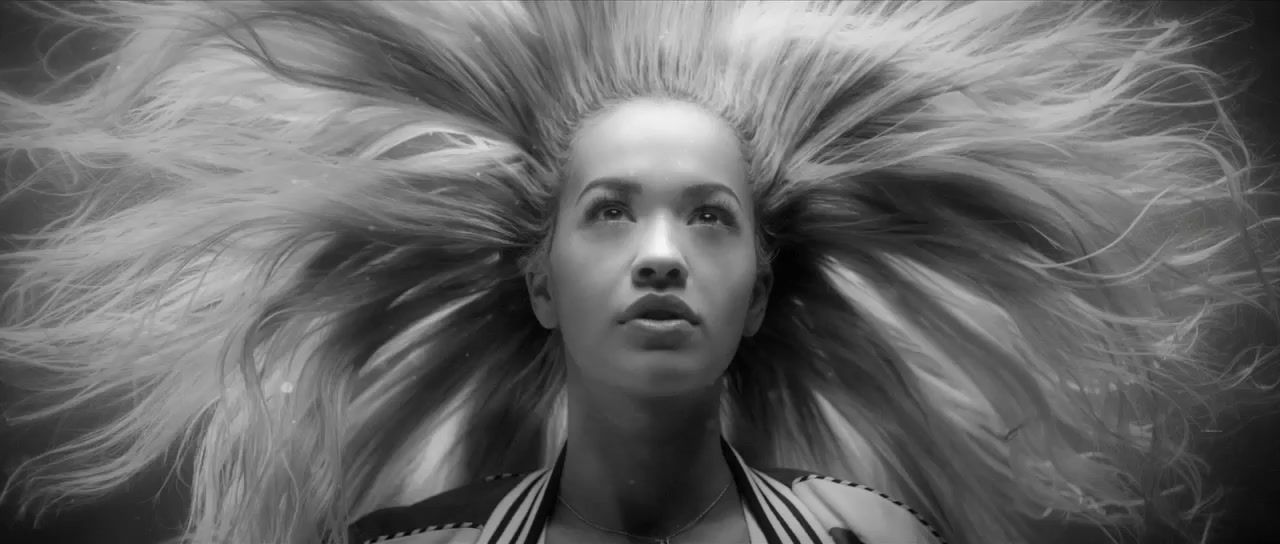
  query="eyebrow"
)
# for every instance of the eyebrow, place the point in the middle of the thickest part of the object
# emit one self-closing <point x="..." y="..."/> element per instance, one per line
<point x="631" y="187"/>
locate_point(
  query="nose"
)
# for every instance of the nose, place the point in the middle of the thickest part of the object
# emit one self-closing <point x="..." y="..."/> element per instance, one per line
<point x="659" y="263"/>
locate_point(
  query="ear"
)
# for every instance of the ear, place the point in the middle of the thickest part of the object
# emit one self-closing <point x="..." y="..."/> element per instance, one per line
<point x="539" y="286"/>
<point x="759" y="302"/>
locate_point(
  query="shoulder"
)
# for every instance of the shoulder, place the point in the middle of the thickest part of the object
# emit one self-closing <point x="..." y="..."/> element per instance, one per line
<point x="855" y="513"/>
<point x="448" y="517"/>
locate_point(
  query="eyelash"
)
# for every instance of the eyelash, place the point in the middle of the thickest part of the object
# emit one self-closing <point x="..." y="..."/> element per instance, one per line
<point x="718" y="207"/>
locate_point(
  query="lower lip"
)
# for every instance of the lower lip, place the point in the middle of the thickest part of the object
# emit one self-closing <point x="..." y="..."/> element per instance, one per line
<point x="658" y="334"/>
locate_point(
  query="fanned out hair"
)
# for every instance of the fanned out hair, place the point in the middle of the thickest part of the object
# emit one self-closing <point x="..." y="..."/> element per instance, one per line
<point x="1004" y="237"/>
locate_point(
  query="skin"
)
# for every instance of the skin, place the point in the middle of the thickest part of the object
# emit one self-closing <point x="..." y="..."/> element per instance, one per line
<point x="644" y="449"/>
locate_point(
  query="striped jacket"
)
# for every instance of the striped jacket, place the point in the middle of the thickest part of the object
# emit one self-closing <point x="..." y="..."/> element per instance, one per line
<point x="781" y="506"/>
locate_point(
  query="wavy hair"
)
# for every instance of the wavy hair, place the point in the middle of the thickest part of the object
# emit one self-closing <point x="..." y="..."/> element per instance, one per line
<point x="1004" y="238"/>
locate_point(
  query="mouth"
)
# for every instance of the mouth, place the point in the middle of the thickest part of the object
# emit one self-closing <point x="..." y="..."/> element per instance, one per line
<point x="661" y="315"/>
<point x="659" y="331"/>
<point x="658" y="309"/>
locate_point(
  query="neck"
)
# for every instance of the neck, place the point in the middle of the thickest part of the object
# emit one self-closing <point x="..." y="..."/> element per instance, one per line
<point x="645" y="466"/>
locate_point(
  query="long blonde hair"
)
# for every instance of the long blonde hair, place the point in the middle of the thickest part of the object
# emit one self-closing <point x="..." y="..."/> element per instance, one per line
<point x="1003" y="236"/>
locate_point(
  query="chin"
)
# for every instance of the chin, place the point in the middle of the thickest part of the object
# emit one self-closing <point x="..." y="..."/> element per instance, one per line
<point x="664" y="375"/>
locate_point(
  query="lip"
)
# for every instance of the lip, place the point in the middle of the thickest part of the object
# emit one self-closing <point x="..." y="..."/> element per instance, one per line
<point x="659" y="333"/>
<point x="664" y="303"/>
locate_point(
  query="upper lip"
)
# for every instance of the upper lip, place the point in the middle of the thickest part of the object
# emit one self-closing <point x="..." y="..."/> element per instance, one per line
<point x="660" y="303"/>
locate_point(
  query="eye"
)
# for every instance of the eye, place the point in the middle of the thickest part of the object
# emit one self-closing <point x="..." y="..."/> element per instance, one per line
<point x="713" y="215"/>
<point x="607" y="209"/>
<point x="610" y="213"/>
<point x="707" y="216"/>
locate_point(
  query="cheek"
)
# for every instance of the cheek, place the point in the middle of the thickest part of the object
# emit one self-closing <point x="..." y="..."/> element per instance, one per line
<point x="739" y="296"/>
<point x="578" y="284"/>
<point x="731" y="293"/>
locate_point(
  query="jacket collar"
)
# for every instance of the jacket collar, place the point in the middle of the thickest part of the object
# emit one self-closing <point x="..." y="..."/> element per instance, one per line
<point x="777" y="514"/>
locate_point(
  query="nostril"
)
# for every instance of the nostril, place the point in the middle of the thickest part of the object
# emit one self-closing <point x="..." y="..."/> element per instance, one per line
<point x="663" y="275"/>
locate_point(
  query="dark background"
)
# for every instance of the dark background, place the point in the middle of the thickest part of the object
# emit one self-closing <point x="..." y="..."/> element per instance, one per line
<point x="1243" y="455"/>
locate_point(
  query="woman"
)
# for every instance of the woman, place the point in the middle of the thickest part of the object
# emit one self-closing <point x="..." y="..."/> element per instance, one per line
<point x="629" y="255"/>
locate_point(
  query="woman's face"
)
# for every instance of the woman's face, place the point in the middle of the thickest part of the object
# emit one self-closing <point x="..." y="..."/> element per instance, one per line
<point x="651" y="277"/>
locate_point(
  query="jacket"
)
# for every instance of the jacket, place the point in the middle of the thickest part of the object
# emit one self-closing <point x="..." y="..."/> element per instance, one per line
<point x="781" y="506"/>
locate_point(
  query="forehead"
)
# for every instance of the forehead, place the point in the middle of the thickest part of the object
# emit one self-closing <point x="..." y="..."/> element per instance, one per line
<point x="658" y="144"/>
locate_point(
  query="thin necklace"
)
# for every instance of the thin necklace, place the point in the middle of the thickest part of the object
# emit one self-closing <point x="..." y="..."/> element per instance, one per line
<point x="657" y="540"/>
